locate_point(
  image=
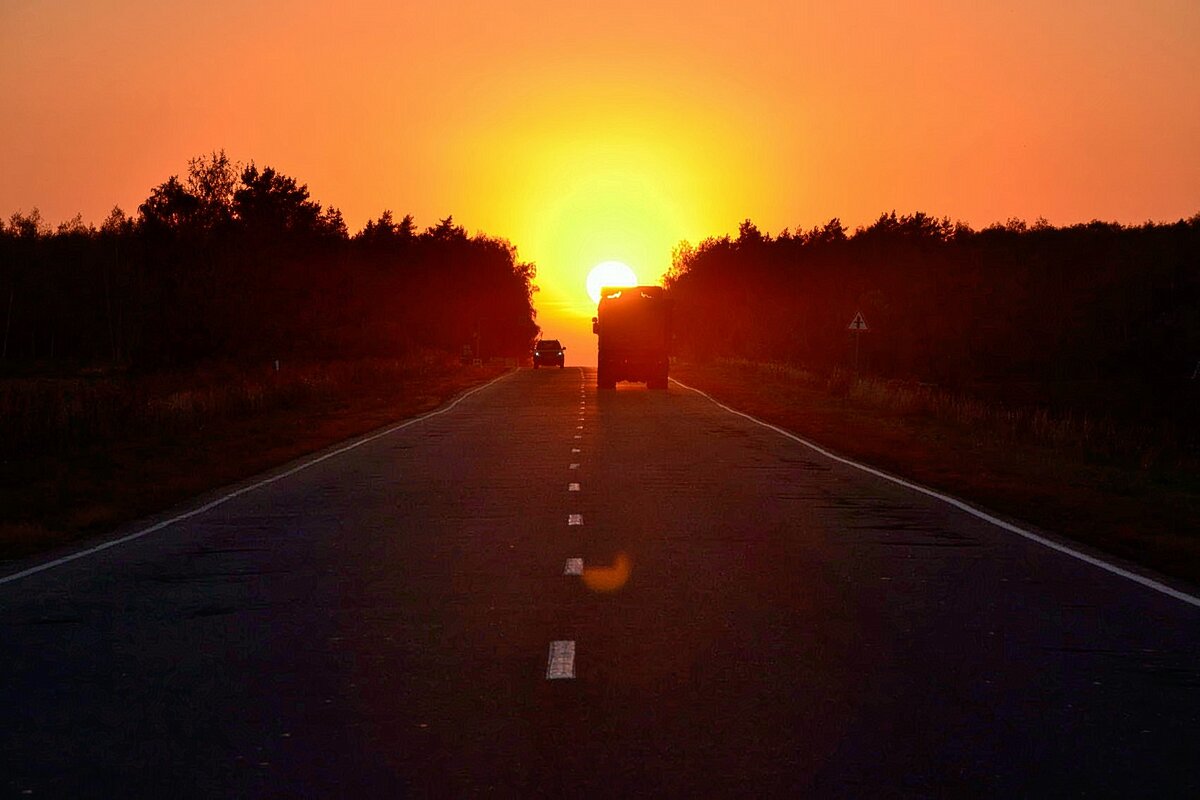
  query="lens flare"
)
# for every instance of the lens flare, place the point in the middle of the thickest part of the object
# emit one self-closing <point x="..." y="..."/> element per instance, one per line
<point x="608" y="579"/>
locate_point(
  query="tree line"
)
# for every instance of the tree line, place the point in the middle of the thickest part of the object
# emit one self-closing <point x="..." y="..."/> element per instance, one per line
<point x="1095" y="315"/>
<point x="238" y="262"/>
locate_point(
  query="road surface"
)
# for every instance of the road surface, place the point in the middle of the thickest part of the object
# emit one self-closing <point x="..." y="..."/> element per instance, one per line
<point x="753" y="619"/>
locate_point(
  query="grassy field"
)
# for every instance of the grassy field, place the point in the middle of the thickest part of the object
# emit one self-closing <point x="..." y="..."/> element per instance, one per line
<point x="1125" y="491"/>
<point x="80" y="455"/>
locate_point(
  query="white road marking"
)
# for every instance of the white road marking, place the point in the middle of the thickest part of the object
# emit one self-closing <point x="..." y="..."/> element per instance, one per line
<point x="572" y="487"/>
<point x="237" y="493"/>
<point x="574" y="466"/>
<point x="561" y="663"/>
<point x="578" y="436"/>
<point x="575" y="519"/>
<point x="574" y="566"/>
<point x="575" y="450"/>
<point x="1149" y="583"/>
<point x="578" y="427"/>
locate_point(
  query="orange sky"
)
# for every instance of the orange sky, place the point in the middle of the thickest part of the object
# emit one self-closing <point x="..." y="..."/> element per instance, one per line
<point x="585" y="132"/>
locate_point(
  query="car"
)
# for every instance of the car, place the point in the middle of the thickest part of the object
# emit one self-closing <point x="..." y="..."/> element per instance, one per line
<point x="548" y="352"/>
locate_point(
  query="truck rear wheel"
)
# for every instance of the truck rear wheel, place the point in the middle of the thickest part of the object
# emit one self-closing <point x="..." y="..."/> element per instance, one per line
<point x="604" y="380"/>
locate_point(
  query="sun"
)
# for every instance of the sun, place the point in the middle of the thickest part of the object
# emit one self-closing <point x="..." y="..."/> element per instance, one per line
<point x="609" y="273"/>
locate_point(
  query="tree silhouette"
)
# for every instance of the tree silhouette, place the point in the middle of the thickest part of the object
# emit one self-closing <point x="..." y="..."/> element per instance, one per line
<point x="170" y="208"/>
<point x="269" y="203"/>
<point x="238" y="262"/>
<point x="1092" y="316"/>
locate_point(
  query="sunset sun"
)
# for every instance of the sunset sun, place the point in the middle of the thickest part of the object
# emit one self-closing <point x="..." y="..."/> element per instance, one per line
<point x="609" y="273"/>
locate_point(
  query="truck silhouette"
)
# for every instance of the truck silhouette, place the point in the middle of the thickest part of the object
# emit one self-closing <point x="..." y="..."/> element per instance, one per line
<point x="633" y="324"/>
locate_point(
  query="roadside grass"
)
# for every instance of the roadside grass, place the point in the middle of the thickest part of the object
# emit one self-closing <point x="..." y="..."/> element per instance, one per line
<point x="1131" y="491"/>
<point x="81" y="455"/>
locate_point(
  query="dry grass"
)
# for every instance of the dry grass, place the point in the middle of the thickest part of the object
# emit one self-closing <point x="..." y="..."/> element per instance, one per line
<point x="50" y="414"/>
<point x="27" y="536"/>
<point x="1081" y="433"/>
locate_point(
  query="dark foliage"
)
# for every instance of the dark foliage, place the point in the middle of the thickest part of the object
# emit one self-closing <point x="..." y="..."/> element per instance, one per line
<point x="1092" y="317"/>
<point x="237" y="262"/>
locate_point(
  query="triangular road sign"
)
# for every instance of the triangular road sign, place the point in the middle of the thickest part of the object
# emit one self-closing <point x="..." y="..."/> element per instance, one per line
<point x="858" y="323"/>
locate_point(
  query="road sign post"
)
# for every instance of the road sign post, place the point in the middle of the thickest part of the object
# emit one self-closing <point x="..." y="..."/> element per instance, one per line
<point x="858" y="325"/>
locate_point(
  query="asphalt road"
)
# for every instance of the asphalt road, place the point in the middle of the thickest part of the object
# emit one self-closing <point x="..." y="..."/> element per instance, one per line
<point x="753" y="620"/>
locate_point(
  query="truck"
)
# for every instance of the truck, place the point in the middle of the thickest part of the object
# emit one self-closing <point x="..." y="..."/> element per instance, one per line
<point x="633" y="329"/>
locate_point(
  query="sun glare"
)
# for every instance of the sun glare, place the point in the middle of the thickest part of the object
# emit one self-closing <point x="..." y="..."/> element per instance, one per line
<point x="609" y="273"/>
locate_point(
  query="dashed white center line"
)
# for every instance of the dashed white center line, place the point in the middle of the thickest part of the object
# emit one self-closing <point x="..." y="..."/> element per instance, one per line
<point x="561" y="663"/>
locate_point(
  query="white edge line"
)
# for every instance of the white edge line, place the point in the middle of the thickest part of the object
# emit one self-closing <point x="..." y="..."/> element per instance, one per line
<point x="226" y="498"/>
<point x="959" y="504"/>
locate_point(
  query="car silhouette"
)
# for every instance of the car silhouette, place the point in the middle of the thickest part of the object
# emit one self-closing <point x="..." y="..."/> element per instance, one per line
<point x="548" y="352"/>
